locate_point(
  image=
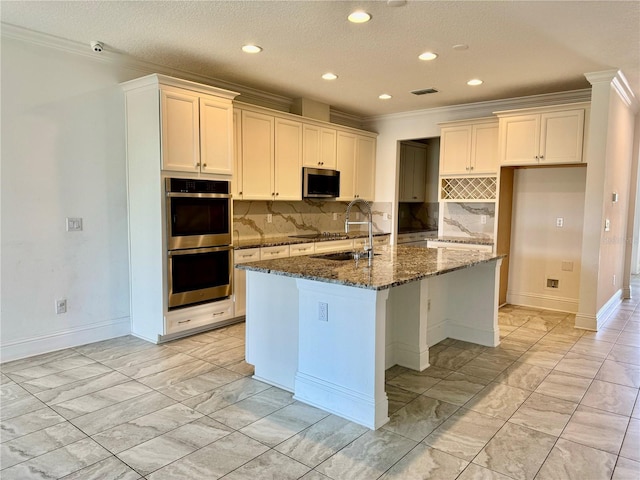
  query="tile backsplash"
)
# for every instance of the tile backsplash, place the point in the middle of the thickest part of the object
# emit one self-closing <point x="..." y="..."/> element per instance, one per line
<point x="251" y="218"/>
<point x="418" y="216"/>
<point x="465" y="219"/>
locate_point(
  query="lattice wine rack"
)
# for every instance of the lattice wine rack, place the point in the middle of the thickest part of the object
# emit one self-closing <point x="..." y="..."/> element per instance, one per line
<point x="468" y="188"/>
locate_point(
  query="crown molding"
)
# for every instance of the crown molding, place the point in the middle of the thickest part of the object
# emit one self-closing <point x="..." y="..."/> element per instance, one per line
<point x="619" y="83"/>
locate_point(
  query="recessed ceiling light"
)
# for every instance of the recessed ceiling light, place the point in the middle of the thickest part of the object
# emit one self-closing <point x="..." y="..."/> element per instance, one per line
<point x="384" y="96"/>
<point x="474" y="82"/>
<point x="251" y="48"/>
<point x="329" y="76"/>
<point x="428" y="56"/>
<point x="359" y="16"/>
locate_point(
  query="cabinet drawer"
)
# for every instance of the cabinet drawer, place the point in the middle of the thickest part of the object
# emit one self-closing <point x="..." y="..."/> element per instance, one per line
<point x="301" y="249"/>
<point x="200" y="316"/>
<point x="268" y="253"/>
<point x="246" y="255"/>
<point x="334" y="246"/>
<point x="381" y="241"/>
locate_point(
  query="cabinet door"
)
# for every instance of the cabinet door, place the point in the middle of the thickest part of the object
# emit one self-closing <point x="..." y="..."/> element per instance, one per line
<point x="484" y="149"/>
<point x="236" y="181"/>
<point x="561" y="137"/>
<point x="406" y="171"/>
<point x="319" y="147"/>
<point x="455" y="150"/>
<point x="519" y="139"/>
<point x="257" y="156"/>
<point x="365" y="168"/>
<point x="288" y="160"/>
<point x="346" y="162"/>
<point x="180" y="131"/>
<point x="419" y="174"/>
<point x="328" y="148"/>
<point x="216" y="136"/>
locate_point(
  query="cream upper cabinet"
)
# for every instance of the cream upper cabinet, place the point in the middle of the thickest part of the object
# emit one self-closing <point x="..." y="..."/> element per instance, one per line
<point x="469" y="148"/>
<point x="236" y="181"/>
<point x="356" y="163"/>
<point x="271" y="158"/>
<point x="288" y="160"/>
<point x="196" y="131"/>
<point x="258" y="155"/>
<point x="413" y="173"/>
<point x="320" y="146"/>
<point x="542" y="138"/>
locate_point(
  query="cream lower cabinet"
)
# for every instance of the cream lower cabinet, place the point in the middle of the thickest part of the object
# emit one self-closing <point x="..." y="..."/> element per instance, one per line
<point x="271" y="157"/>
<point x="469" y="147"/>
<point x="542" y="137"/>
<point x="356" y="163"/>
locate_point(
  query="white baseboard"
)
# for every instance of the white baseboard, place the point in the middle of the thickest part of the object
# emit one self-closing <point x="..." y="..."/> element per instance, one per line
<point x="398" y="353"/>
<point x="72" y="337"/>
<point x="595" y="322"/>
<point x="547" y="302"/>
<point x="488" y="338"/>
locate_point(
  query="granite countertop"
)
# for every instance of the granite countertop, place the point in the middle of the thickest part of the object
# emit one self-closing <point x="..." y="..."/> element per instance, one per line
<point x="391" y="267"/>
<point x="472" y="240"/>
<point x="288" y="240"/>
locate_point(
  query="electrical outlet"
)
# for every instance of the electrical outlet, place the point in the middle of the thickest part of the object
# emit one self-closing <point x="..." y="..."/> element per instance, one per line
<point x="61" y="306"/>
<point x="323" y="311"/>
<point x="553" y="283"/>
<point x="559" y="222"/>
<point x="483" y="219"/>
<point x="607" y="225"/>
<point x="269" y="218"/>
<point x="74" y="224"/>
<point x="388" y="216"/>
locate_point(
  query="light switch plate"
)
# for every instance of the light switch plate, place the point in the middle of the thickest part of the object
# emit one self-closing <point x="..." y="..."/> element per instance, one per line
<point x="74" y="224"/>
<point x="607" y="225"/>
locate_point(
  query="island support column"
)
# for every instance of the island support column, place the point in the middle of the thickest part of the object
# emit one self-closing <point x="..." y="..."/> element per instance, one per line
<point x="341" y="355"/>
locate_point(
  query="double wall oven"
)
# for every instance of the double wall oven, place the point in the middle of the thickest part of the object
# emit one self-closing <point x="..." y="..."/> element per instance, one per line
<point x="199" y="245"/>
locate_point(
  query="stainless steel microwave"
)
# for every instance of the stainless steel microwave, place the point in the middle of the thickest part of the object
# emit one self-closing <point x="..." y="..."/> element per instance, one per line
<point x="320" y="183"/>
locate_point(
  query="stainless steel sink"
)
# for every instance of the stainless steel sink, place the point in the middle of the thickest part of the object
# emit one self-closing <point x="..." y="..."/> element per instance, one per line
<point x="338" y="256"/>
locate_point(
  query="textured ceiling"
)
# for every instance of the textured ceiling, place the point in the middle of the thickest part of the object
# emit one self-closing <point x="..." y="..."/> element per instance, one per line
<point x="517" y="47"/>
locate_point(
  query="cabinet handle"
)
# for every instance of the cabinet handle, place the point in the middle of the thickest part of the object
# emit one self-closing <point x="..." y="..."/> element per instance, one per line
<point x="537" y="158"/>
<point x="470" y="168"/>
<point x="239" y="193"/>
<point x="541" y="157"/>
<point x="277" y="193"/>
<point x="204" y="165"/>
<point x="184" y="321"/>
<point x="466" y="168"/>
<point x="197" y="164"/>
<point x="217" y="314"/>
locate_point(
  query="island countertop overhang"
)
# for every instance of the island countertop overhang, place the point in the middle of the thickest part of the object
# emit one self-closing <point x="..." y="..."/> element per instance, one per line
<point x="392" y="266"/>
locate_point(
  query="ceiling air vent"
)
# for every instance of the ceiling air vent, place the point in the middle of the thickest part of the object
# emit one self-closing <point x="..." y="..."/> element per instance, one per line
<point x="424" y="91"/>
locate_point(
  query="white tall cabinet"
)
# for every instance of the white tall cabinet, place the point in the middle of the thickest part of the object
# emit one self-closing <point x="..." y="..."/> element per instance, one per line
<point x="174" y="128"/>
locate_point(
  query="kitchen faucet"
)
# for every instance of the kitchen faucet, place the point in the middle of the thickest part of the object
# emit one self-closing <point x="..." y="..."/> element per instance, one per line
<point x="368" y="248"/>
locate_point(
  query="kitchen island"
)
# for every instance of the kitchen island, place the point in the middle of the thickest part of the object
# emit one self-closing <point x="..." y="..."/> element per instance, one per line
<point x="327" y="329"/>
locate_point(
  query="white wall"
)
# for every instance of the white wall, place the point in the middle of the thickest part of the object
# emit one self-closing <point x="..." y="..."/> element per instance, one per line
<point x="62" y="156"/>
<point x="538" y="246"/>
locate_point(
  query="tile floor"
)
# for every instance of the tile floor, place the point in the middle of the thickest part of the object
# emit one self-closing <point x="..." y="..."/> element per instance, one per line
<point x="550" y="402"/>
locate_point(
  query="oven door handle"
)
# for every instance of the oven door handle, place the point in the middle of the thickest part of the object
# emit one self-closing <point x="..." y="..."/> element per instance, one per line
<point x="198" y="195"/>
<point x="192" y="251"/>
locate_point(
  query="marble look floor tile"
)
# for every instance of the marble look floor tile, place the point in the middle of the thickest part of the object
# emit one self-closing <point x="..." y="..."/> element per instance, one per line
<point x="631" y="443"/>
<point x="464" y="434"/>
<point x="112" y="348"/>
<point x="81" y="388"/>
<point x="413" y="382"/>
<point x="19" y="406"/>
<point x="511" y="319"/>
<point x="188" y="344"/>
<point x="12" y="391"/>
<point x="516" y="451"/>
<point x="434" y="372"/>
<point x="100" y="399"/>
<point x="611" y="397"/>
<point x="394" y="371"/>
<point x="626" y="470"/>
<point x="253" y="408"/>
<point x="398" y="397"/>
<point x="177" y="374"/>
<point x="544" y="414"/>
<point x="572" y="461"/>
<point x="29" y="422"/>
<point x="226" y="395"/>
<point x="216" y="347"/>
<point x="146" y="427"/>
<point x="592" y="348"/>
<point x="523" y="375"/>
<point x="320" y="441"/>
<point x="151" y="352"/>
<point x="564" y="386"/>
<point x="122" y="412"/>
<point x="36" y="360"/>
<point x="270" y="465"/>
<point x="636" y="409"/>
<point x="213" y="461"/>
<point x="155" y="366"/>
<point x="629" y="338"/>
<point x="620" y="373"/>
<point x="506" y="330"/>
<point x="241" y="367"/>
<point x="313" y="475"/>
<point x="568" y="329"/>
<point x="50" y="368"/>
<point x="235" y="330"/>
<point x="625" y="354"/>
<point x="228" y="357"/>
<point x="498" y="400"/>
<point x="544" y="324"/>
<point x="597" y="429"/>
<point x="581" y="365"/>
<point x="368" y="457"/>
<point x="420" y="417"/>
<point x="65" y="378"/>
<point x="451" y="358"/>
<point x="603" y="334"/>
<point x="457" y="388"/>
<point x="515" y="345"/>
<point x="160" y="451"/>
<point x="196" y="385"/>
<point x="4" y="379"/>
<point x="426" y="462"/>
<point x="542" y="357"/>
<point x="558" y="343"/>
<point x="110" y="468"/>
<point x="283" y="424"/>
<point x="476" y="472"/>
<point x="38" y="443"/>
<point x="59" y="462"/>
<point x="484" y="369"/>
